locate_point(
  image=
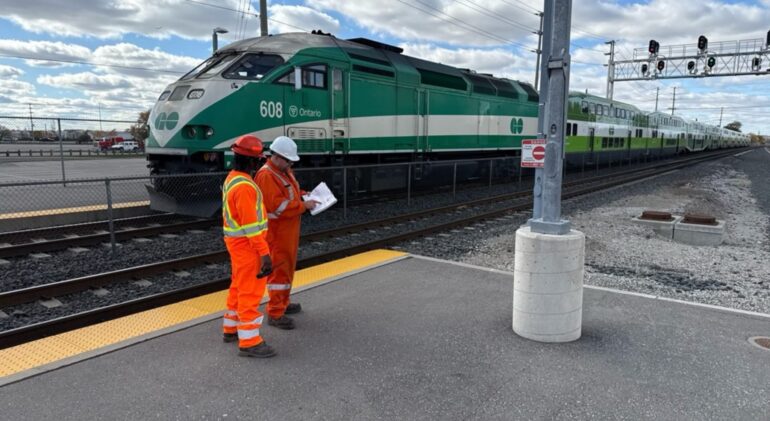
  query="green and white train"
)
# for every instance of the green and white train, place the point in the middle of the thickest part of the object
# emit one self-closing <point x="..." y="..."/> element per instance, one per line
<point x="358" y="101"/>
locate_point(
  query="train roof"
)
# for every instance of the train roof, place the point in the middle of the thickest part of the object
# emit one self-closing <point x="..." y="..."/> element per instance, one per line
<point x="289" y="43"/>
<point x="374" y="53"/>
<point x="601" y="100"/>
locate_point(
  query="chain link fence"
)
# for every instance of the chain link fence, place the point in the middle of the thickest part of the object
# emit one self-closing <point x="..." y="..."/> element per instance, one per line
<point x="54" y="138"/>
<point x="111" y="203"/>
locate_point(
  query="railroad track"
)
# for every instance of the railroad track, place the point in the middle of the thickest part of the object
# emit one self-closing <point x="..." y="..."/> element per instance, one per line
<point x="79" y="235"/>
<point x="471" y="213"/>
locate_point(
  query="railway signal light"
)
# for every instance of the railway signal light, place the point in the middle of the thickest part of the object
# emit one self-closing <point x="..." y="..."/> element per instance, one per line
<point x="654" y="47"/>
<point x="645" y="69"/>
<point x="703" y="43"/>
<point x="756" y="63"/>
<point x="767" y="43"/>
<point x="711" y="62"/>
<point x="661" y="65"/>
<point x="691" y="66"/>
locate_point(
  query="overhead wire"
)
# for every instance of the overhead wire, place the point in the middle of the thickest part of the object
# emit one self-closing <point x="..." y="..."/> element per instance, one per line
<point x="255" y="15"/>
<point x="490" y="13"/>
<point x="466" y="26"/>
<point x="117" y="66"/>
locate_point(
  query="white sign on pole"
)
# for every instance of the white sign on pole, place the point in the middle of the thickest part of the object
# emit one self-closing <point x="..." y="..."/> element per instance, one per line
<point x="533" y="153"/>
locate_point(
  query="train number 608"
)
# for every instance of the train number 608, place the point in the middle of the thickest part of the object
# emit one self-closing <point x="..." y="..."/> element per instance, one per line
<point x="271" y="109"/>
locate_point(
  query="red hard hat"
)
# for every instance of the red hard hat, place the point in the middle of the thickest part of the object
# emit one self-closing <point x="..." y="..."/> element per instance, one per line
<point x="248" y="145"/>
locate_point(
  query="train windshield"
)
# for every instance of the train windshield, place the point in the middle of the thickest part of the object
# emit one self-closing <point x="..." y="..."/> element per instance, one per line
<point x="208" y="65"/>
<point x="253" y="66"/>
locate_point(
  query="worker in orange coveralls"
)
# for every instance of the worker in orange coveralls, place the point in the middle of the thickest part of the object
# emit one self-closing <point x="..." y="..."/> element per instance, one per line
<point x="244" y="224"/>
<point x="284" y="205"/>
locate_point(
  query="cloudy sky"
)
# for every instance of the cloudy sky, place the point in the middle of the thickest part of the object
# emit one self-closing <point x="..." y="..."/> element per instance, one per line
<point x="85" y="58"/>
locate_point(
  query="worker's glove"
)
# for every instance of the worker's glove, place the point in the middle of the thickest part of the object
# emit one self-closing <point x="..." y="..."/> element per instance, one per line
<point x="266" y="266"/>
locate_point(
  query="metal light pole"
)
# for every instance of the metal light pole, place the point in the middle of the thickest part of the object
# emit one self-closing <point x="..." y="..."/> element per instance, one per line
<point x="549" y="256"/>
<point x="214" y="32"/>
<point x="263" y="18"/>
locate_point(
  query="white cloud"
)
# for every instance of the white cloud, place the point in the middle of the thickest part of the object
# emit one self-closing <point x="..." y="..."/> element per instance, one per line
<point x="111" y="19"/>
<point x="86" y="81"/>
<point x="499" y="61"/>
<point x="672" y="21"/>
<point x="42" y="50"/>
<point x="450" y="22"/>
<point x="130" y="55"/>
<point x="300" y="18"/>
<point x="10" y="71"/>
<point x="16" y="88"/>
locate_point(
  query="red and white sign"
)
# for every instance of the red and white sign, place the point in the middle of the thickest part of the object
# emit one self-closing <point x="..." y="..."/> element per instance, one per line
<point x="533" y="153"/>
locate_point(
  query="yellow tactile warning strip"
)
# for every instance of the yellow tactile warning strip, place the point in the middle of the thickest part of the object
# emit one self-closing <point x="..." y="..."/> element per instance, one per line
<point x="90" y="339"/>
<point x="88" y="208"/>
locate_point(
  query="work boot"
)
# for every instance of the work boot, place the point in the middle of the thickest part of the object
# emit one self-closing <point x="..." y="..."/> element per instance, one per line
<point x="293" y="308"/>
<point x="283" y="322"/>
<point x="229" y="337"/>
<point x="262" y="350"/>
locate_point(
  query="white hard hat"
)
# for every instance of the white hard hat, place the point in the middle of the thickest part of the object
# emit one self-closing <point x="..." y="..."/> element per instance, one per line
<point x="285" y="147"/>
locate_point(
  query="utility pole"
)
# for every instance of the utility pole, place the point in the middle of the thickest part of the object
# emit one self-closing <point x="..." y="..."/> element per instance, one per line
<point x="263" y="17"/>
<point x="550" y="256"/>
<point x="611" y="70"/>
<point x="100" y="118"/>
<point x="539" y="50"/>
<point x="721" y="112"/>
<point x="673" y="104"/>
<point x="657" y="91"/>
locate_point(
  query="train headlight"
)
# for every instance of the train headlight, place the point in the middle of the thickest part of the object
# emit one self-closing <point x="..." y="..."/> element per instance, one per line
<point x="195" y="94"/>
<point x="191" y="132"/>
<point x="209" y="132"/>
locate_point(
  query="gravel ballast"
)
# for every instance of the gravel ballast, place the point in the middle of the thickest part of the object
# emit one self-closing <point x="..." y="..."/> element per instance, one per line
<point x="623" y="255"/>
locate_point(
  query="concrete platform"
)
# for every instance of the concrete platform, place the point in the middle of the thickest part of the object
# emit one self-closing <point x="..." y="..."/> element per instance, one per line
<point x="423" y="339"/>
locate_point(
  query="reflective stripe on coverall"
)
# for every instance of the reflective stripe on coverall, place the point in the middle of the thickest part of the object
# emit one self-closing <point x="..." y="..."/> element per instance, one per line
<point x="283" y="202"/>
<point x="244" y="225"/>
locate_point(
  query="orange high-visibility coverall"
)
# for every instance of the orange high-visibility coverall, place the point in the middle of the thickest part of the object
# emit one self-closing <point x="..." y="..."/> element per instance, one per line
<point x="283" y="202"/>
<point x="244" y="224"/>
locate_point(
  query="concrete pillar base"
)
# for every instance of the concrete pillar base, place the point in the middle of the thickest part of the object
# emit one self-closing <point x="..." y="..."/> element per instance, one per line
<point x="548" y="285"/>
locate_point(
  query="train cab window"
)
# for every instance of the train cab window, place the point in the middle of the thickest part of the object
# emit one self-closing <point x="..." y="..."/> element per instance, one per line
<point x="214" y="67"/>
<point x="313" y="76"/>
<point x="253" y="67"/>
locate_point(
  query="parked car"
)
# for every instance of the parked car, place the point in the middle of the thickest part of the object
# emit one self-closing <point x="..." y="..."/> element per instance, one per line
<point x="126" y="145"/>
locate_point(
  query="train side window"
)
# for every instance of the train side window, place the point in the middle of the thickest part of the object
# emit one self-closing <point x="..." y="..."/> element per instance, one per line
<point x="604" y="142"/>
<point x="313" y="76"/>
<point x="606" y="109"/>
<point x="250" y="67"/>
<point x="569" y="129"/>
<point x="584" y="107"/>
<point x="574" y="129"/>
